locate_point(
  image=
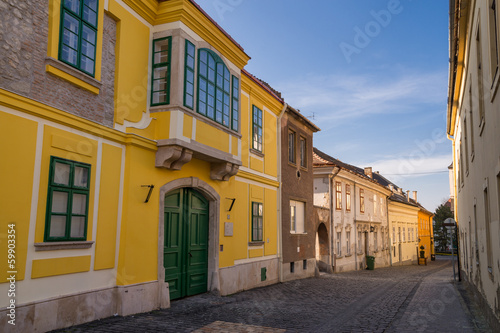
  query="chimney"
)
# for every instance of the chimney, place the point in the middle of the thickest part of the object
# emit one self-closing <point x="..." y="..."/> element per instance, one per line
<point x="400" y="190"/>
<point x="368" y="172"/>
<point x="408" y="195"/>
<point x="415" y="196"/>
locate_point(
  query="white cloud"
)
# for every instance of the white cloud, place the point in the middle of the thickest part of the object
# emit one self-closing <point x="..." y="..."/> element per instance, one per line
<point x="415" y="165"/>
<point x="334" y="98"/>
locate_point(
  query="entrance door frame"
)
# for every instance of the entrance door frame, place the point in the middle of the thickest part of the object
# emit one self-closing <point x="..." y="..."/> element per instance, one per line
<point x="213" y="283"/>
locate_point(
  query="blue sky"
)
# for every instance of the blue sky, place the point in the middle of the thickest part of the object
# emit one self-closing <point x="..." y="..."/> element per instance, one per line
<point x="372" y="73"/>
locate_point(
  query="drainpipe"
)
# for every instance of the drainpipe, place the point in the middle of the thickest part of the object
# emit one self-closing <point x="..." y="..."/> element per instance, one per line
<point x="355" y="229"/>
<point x="332" y="227"/>
<point x="280" y="214"/>
<point x="389" y="229"/>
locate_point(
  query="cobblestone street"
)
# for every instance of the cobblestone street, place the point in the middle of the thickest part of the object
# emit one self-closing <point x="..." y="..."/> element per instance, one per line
<point x="393" y="299"/>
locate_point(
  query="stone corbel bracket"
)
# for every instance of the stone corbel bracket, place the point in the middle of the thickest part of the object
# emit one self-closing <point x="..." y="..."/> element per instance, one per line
<point x="223" y="171"/>
<point x="172" y="157"/>
<point x="172" y="154"/>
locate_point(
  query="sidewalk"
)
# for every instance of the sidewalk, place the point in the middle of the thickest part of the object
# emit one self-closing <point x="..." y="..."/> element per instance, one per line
<point x="436" y="305"/>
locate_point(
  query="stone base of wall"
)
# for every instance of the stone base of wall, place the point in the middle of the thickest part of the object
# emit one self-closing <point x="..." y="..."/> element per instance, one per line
<point x="81" y="308"/>
<point x="246" y="276"/>
<point x="299" y="271"/>
<point x="481" y="302"/>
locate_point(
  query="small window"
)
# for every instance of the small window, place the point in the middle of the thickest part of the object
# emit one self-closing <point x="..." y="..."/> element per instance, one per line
<point x="160" y="78"/>
<point x="348" y="197"/>
<point x="304" y="264"/>
<point x="338" y="195"/>
<point x="339" y="244"/>
<point x="67" y="201"/>
<point x="189" y="62"/>
<point x="348" y="242"/>
<point x="292" y="267"/>
<point x="257" y="222"/>
<point x="360" y="242"/>
<point x="78" y="39"/>
<point x="291" y="147"/>
<point x="375" y="240"/>
<point x="297" y="212"/>
<point x="257" y="128"/>
<point x="361" y="200"/>
<point x="303" y="153"/>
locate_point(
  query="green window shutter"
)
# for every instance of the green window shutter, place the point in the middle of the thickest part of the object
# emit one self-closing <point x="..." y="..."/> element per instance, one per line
<point x="160" y="78"/>
<point x="67" y="201"/>
<point x="235" y="107"/>
<point x="78" y="34"/>
<point x="189" y="75"/>
<point x="257" y="128"/>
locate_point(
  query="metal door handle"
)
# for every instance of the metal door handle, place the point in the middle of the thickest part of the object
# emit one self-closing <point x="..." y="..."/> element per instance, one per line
<point x="190" y="254"/>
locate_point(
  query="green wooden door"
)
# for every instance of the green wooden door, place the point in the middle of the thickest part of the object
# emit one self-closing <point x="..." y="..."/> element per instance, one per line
<point x="185" y="252"/>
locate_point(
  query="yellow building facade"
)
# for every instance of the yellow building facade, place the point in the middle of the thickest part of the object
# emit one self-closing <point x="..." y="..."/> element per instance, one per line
<point x="425" y="233"/>
<point x="140" y="162"/>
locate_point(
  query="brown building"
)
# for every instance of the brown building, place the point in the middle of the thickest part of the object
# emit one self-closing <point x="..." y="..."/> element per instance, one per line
<point x="298" y="228"/>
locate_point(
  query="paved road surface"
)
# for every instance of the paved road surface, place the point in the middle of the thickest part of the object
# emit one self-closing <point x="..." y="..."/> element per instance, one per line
<point x="392" y="299"/>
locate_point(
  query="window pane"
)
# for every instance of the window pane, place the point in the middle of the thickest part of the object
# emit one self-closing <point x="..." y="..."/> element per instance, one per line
<point x="202" y="108"/>
<point x="57" y="226"/>
<point x="90" y="12"/>
<point x="160" y="73"/>
<point x="159" y="97"/>
<point x="69" y="55"/>
<point x="203" y="69"/>
<point x="73" y="5"/>
<point x="189" y="76"/>
<point x="189" y="101"/>
<point x="77" y="226"/>
<point x="71" y="31"/>
<point x="203" y="57"/>
<point x="61" y="174"/>
<point x="161" y="51"/>
<point x="81" y="177"/>
<point x="79" y="204"/>
<point x="87" y="64"/>
<point x="160" y="84"/>
<point x="59" y="202"/>
<point x="88" y="34"/>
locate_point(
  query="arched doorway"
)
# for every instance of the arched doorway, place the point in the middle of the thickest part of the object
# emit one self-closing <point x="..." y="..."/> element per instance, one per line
<point x="188" y="238"/>
<point x="322" y="249"/>
<point x="185" y="245"/>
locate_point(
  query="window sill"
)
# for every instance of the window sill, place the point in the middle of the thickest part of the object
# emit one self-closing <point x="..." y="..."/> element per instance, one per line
<point x="298" y="233"/>
<point x="52" y="246"/>
<point x="348" y="255"/>
<point x="259" y="243"/>
<point x="72" y="75"/>
<point x="339" y="257"/>
<point x="256" y="152"/>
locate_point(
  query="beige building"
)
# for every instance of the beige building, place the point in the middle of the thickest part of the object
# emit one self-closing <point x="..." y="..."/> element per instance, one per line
<point x="473" y="121"/>
<point x="358" y="205"/>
